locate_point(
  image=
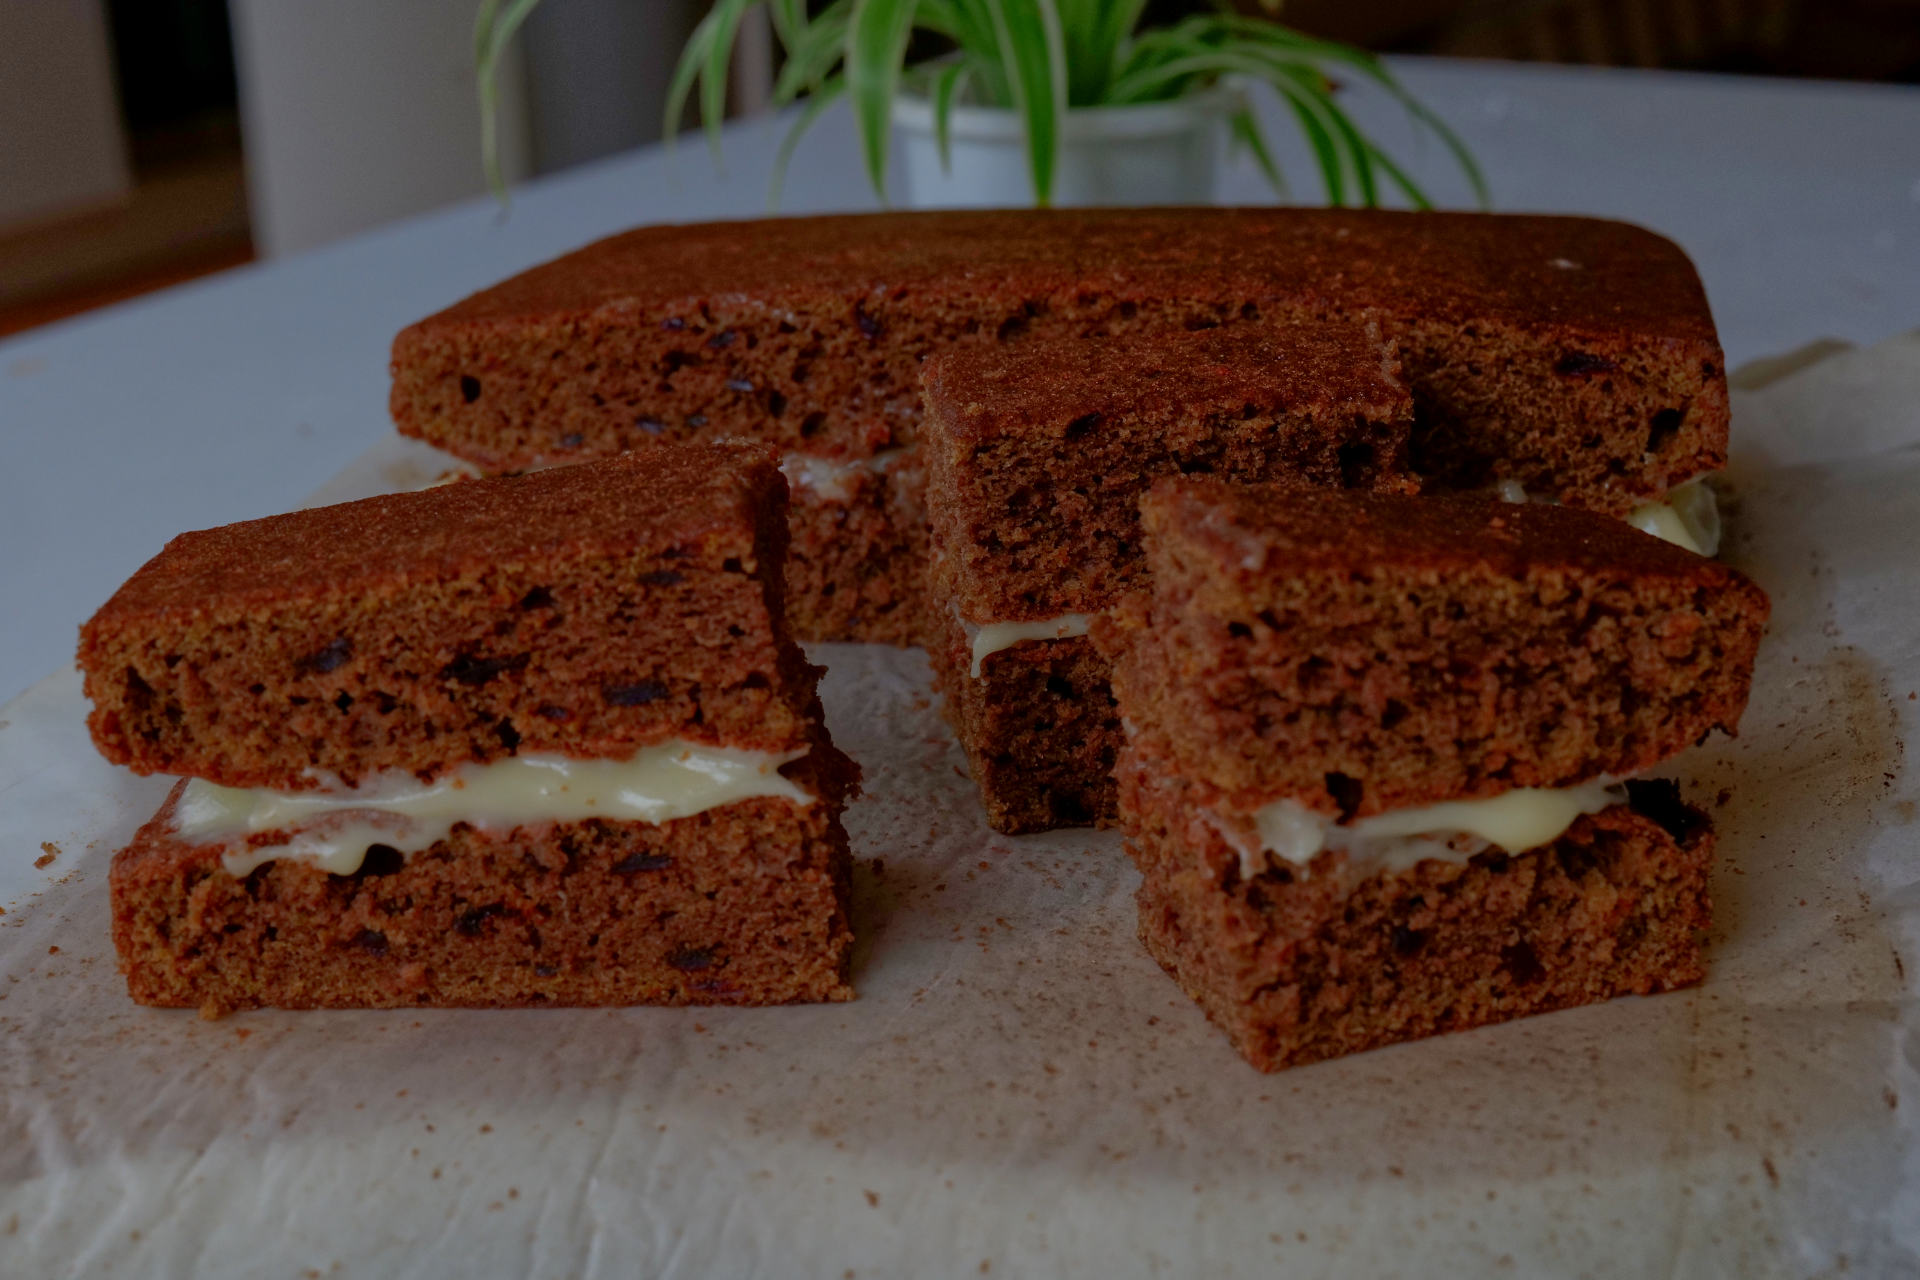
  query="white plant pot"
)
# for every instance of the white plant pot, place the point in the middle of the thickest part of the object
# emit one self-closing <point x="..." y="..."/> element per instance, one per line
<point x="1157" y="153"/>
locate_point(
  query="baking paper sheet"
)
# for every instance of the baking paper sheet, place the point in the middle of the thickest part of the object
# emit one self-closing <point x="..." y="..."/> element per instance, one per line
<point x="1018" y="1090"/>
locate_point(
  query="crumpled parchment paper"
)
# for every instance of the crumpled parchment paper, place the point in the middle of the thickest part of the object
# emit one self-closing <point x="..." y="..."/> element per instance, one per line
<point x="1018" y="1090"/>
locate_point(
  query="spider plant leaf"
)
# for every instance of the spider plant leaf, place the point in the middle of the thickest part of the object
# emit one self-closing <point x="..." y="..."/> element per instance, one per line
<point x="493" y="29"/>
<point x="1325" y="153"/>
<point x="876" y="46"/>
<point x="938" y="16"/>
<point x="726" y="16"/>
<point x="685" y="72"/>
<point x="1095" y="32"/>
<point x="789" y="20"/>
<point x="1396" y="175"/>
<point x="947" y="87"/>
<point x="1246" y="132"/>
<point x="822" y="96"/>
<point x="1033" y="51"/>
<point x="1359" y="152"/>
<point x="1376" y="71"/>
<point x="813" y="54"/>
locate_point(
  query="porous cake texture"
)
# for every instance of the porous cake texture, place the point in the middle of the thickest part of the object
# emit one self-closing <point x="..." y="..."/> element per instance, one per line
<point x="589" y="613"/>
<point x="1295" y="969"/>
<point x="586" y="615"/>
<point x="743" y="904"/>
<point x="1037" y="458"/>
<point x="1364" y="652"/>
<point x="1308" y="670"/>
<point x="1574" y="356"/>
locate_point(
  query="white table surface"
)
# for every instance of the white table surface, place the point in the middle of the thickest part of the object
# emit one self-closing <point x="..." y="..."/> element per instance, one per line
<point x="236" y="396"/>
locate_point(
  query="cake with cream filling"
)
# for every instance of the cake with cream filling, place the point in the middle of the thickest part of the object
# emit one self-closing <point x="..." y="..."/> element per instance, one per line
<point x="532" y="739"/>
<point x="1037" y="457"/>
<point x="1384" y="758"/>
<point x="1572" y="359"/>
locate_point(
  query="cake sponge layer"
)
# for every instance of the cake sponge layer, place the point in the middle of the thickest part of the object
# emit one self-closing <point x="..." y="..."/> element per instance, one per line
<point x="1038" y="453"/>
<point x="1360" y="653"/>
<point x="1298" y="969"/>
<point x="1574" y="355"/>
<point x="585" y="610"/>
<point x="744" y="904"/>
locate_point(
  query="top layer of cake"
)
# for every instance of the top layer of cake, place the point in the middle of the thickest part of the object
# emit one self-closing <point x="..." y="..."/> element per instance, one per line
<point x="1572" y="355"/>
<point x="586" y="611"/>
<point x="1359" y="653"/>
<point x="1037" y="454"/>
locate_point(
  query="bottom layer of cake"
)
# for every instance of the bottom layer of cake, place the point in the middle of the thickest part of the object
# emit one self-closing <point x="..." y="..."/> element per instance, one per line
<point x="1039" y="726"/>
<point x="1296" y="969"/>
<point x="744" y="904"/>
<point x="857" y="565"/>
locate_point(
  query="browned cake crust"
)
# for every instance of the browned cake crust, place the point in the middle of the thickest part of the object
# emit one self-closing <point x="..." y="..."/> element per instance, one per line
<point x="1364" y="652"/>
<point x="1573" y="355"/>
<point x="1296" y="970"/>
<point x="1037" y="457"/>
<point x="1037" y="454"/>
<point x="584" y="610"/>
<point x="745" y="904"/>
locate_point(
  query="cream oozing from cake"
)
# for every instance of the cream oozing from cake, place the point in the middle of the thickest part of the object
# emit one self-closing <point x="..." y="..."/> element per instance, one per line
<point x="1689" y="516"/>
<point x="332" y="828"/>
<point x="830" y="478"/>
<point x="991" y="637"/>
<point x="1451" y="831"/>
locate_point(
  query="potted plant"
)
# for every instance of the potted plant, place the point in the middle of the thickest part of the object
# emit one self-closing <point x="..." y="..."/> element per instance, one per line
<point x="1049" y="101"/>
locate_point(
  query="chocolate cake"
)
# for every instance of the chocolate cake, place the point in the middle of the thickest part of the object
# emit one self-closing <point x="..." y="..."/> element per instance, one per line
<point x="1365" y="652"/>
<point x="542" y="738"/>
<point x="1571" y="356"/>
<point x="1037" y="457"/>
<point x="1378" y="758"/>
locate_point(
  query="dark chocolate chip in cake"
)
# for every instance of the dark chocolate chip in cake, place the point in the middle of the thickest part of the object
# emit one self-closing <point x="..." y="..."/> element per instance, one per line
<point x="637" y="694"/>
<point x="334" y="656"/>
<point x="691" y="959"/>
<point x="471" y="670"/>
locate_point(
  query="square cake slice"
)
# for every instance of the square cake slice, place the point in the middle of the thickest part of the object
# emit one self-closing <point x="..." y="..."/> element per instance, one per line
<point x="1376" y="776"/>
<point x="1360" y="653"/>
<point x="537" y="739"/>
<point x="1037" y="457"/>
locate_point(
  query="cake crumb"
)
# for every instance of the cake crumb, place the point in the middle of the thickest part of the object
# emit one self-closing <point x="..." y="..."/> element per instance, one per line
<point x="873" y="1198"/>
<point x="48" y="852"/>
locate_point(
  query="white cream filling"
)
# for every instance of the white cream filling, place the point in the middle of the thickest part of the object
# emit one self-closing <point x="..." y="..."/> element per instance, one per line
<point x="334" y="827"/>
<point x="1452" y="831"/>
<point x="992" y="637"/>
<point x="1689" y="516"/>
<point x="829" y="478"/>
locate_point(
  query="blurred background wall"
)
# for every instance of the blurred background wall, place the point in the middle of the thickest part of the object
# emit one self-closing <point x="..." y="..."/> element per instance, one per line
<point x="144" y="142"/>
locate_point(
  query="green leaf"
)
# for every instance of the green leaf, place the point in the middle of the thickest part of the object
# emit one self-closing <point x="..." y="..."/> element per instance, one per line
<point x="789" y="20"/>
<point x="726" y="17"/>
<point x="1325" y="153"/>
<point x="1246" y="132"/>
<point x="1034" y="55"/>
<point x="1373" y="69"/>
<point x="493" y="30"/>
<point x="1408" y="187"/>
<point x="685" y="72"/>
<point x="876" y="46"/>
<point x="1095" y="32"/>
<point x="947" y="87"/>
<point x="823" y="96"/>
<point x="814" y="53"/>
